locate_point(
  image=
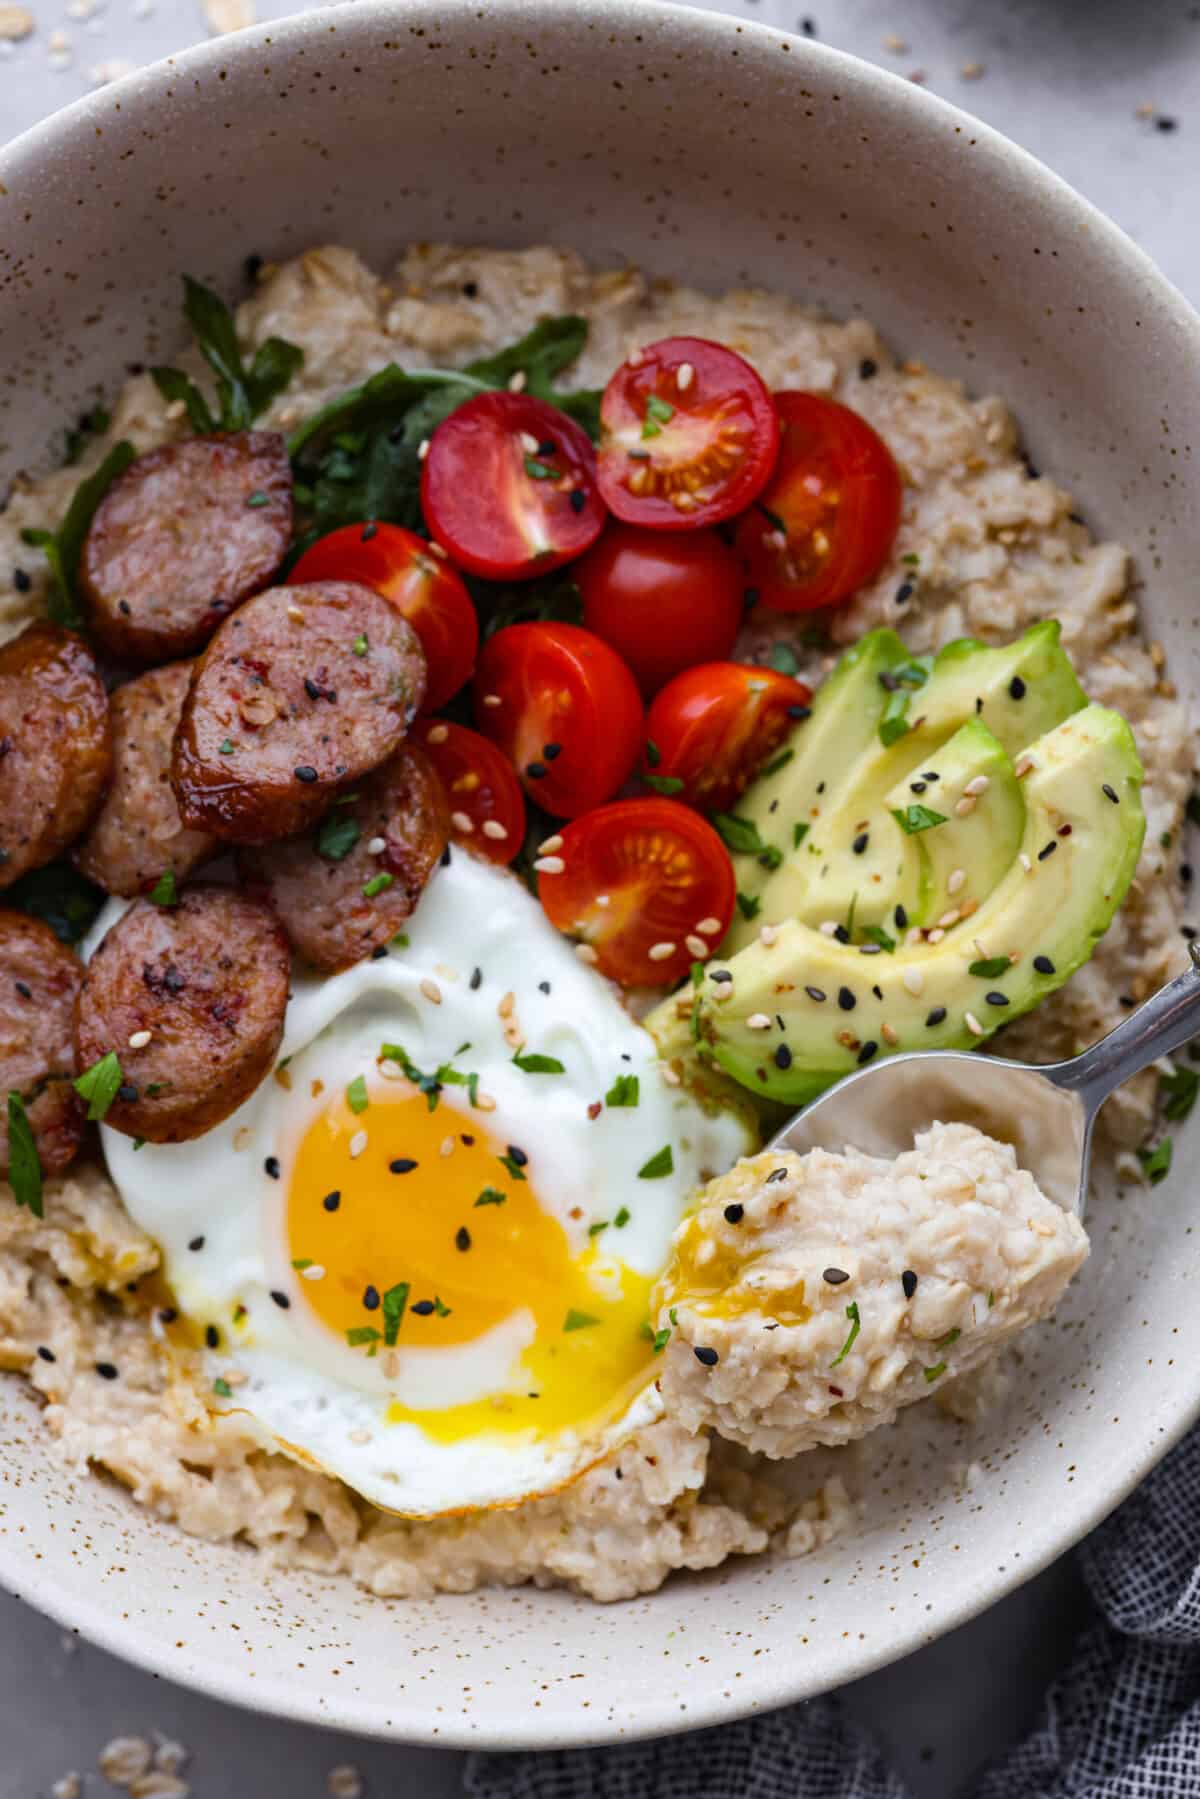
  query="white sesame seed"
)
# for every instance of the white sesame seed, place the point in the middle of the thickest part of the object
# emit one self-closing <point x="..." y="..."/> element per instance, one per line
<point x="585" y="952"/>
<point x="935" y="936"/>
<point x="437" y="734"/>
<point x="435" y="549"/>
<point x="391" y="1071"/>
<point x="122" y="1760"/>
<point x="16" y="22"/>
<point x="358" y="1143"/>
<point x="634" y="359"/>
<point x="242" y="1136"/>
<point x="696" y="947"/>
<point x="914" y="981"/>
<point x="296" y="614"/>
<point x="671" y="1076"/>
<point x="913" y="936"/>
<point x="758" y="1021"/>
<point x="551" y="844"/>
<point x="529" y="443"/>
<point x="492" y="828"/>
<point x="1023" y="766"/>
<point x="176" y="409"/>
<point x="722" y="995"/>
<point x="505" y="1008"/>
<point x="603" y="899"/>
<point x="376" y="846"/>
<point x="140" y="1039"/>
<point x="964" y="807"/>
<point x="432" y="991"/>
<point x="389" y="1361"/>
<point x="446" y="1147"/>
<point x="828" y="927"/>
<point x="492" y="699"/>
<point x="977" y="785"/>
<point x="767" y="935"/>
<point x="1026" y="864"/>
<point x="888" y="1034"/>
<point x="957" y="881"/>
<point x="948" y="918"/>
<point x="709" y="927"/>
<point x="550" y="865"/>
<point x="658" y="952"/>
<point x="516" y="383"/>
<point x="422" y="449"/>
<point x="462" y="823"/>
<point x="484" y="1102"/>
<point x="685" y="374"/>
<point x="359" y="1436"/>
<point x="973" y="1024"/>
<point x="314" y="1272"/>
<point x="979" y="949"/>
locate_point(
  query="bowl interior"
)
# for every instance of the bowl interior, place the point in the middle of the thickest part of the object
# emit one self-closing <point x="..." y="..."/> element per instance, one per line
<point x="722" y="153"/>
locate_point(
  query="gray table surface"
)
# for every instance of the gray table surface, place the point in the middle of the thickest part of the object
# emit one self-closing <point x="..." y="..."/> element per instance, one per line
<point x="1109" y="95"/>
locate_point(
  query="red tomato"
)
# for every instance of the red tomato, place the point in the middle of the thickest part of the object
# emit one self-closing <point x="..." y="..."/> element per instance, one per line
<point x="715" y="726"/>
<point x="827" y="519"/>
<point x="564" y="709"/>
<point x="646" y="883"/>
<point x="487" y="807"/>
<point x="420" y="584"/>
<point x="509" y="487"/>
<point x="661" y="602"/>
<point x="688" y="435"/>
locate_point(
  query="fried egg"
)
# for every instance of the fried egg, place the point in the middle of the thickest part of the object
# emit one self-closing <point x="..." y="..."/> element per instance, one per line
<point x="420" y="1256"/>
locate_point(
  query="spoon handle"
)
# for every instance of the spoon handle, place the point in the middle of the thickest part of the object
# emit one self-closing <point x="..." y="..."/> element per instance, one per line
<point x="1168" y="1019"/>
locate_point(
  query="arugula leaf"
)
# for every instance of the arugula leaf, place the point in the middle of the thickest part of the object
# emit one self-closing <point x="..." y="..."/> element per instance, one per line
<point x="63" y="548"/>
<point x="624" y="1091"/>
<point x="242" y="393"/>
<point x="98" y="1085"/>
<point x="60" y="896"/>
<point x="24" y="1164"/>
<point x="533" y="1064"/>
<point x="660" y="1164"/>
<point x="541" y="355"/>
<point x="395" y="1301"/>
<point x="165" y="891"/>
<point x="855" y="1327"/>
<point x="578" y="1321"/>
<point x="912" y="819"/>
<point x="337" y="836"/>
<point x="1156" y="1162"/>
<point x="1178" y="1093"/>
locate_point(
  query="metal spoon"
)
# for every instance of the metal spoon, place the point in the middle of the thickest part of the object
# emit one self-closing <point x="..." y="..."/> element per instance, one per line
<point x="1046" y="1113"/>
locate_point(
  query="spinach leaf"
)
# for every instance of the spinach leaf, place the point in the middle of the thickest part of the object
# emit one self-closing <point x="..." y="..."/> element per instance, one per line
<point x="63" y="548"/>
<point x="242" y="393"/>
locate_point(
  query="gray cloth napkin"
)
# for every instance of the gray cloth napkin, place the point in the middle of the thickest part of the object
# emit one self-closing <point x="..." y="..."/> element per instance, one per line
<point x="1122" y="1721"/>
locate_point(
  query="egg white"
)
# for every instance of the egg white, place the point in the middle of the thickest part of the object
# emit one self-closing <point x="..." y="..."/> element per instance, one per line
<point x="311" y="1393"/>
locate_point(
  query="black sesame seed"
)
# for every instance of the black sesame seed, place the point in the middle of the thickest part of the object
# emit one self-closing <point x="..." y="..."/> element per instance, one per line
<point x="371" y="1299"/>
<point x="368" y="532"/>
<point x="799" y="712"/>
<point x="168" y="1315"/>
<point x="423" y="1308"/>
<point x="734" y="1214"/>
<point x="535" y="770"/>
<point x="476" y="981"/>
<point x="106" y="1371"/>
<point x="707" y="1357"/>
<point x="552" y="751"/>
<point x="978" y="705"/>
<point x="930" y="774"/>
<point x="865" y="1054"/>
<point x="816" y="993"/>
<point x="1188" y="931"/>
<point x="212" y="1336"/>
<point x="937" y="1016"/>
<point x="251" y="267"/>
<point x="1126" y="1002"/>
<point x="908" y="1281"/>
<point x="917" y="786"/>
<point x="196" y="1243"/>
<point x="402" y="1165"/>
<point x="445" y="861"/>
<point x="1017" y="688"/>
<point x="332" y="1201"/>
<point x="21" y="580"/>
<point x="47" y="1355"/>
<point x="835" y="1276"/>
<point x="1048" y="851"/>
<point x="878" y="992"/>
<point x="271" y="1167"/>
<point x="846" y="999"/>
<point x="379" y="952"/>
<point x="311" y="688"/>
<point x="1166" y="123"/>
<point x="809" y="29"/>
<point x="868" y="367"/>
<point x="577" y="499"/>
<point x="462" y="1237"/>
<point x="470" y="290"/>
<point x="860" y="842"/>
<point x="518" y="1155"/>
<point x="1110" y="793"/>
<point x="1185" y="873"/>
<point x="281" y="1299"/>
<point x="783" y="1056"/>
<point x="543" y="986"/>
<point x="128" y="1092"/>
<point x="901" y="917"/>
<point x="777" y="1174"/>
<point x="820" y="786"/>
<point x="1043" y="964"/>
<point x="904" y="593"/>
<point x="305" y="772"/>
<point x="842" y="934"/>
<point x="23" y="989"/>
<point x="995" y="998"/>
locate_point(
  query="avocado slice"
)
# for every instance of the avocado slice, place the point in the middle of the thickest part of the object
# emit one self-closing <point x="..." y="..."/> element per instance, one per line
<point x="788" y="1016"/>
<point x="815" y="830"/>
<point x="964" y="859"/>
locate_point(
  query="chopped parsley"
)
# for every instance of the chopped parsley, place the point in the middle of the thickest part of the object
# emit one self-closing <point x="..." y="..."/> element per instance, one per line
<point x="653" y="753"/>
<point x="579" y="1321"/>
<point x="659" y="1339"/>
<point x="990" y="967"/>
<point x="377" y="884"/>
<point x="356" y="1095"/>
<point x="782" y="658"/>
<point x="912" y="819"/>
<point x="24" y="1164"/>
<point x="361" y="644"/>
<point x="660" y="1164"/>
<point x="799" y="833"/>
<point x="540" y="471"/>
<point x="358" y="1334"/>
<point x="533" y="1064"/>
<point x="491" y="1196"/>
<point x="99" y="1084"/>
<point x="222" y="1388"/>
<point x="1156" y="1162"/>
<point x="165" y="892"/>
<point x="394" y="1302"/>
<point x="936" y="1372"/>
<point x="875" y="933"/>
<point x="778" y="762"/>
<point x="622" y="1218"/>
<point x="738" y="834"/>
<point x="749" y="904"/>
<point x="594" y="1230"/>
<point x="658" y="413"/>
<point x="509" y="1161"/>
<point x="624" y="1091"/>
<point x="855" y="1327"/>
<point x="337" y="836"/>
<point x="950" y="1337"/>
<point x="1178" y="1093"/>
<point x="667" y="784"/>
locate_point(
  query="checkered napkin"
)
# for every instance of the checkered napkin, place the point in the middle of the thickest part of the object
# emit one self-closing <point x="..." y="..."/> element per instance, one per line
<point x="1121" y="1722"/>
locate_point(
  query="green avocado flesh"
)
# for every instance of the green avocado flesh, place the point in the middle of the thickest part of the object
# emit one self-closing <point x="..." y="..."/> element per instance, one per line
<point x="1003" y="796"/>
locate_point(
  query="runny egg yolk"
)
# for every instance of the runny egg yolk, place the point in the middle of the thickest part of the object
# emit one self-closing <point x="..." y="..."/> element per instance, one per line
<point x="431" y="1235"/>
<point x="716" y="1280"/>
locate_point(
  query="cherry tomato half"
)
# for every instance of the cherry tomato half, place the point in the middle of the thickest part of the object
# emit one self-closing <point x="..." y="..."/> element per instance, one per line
<point x="564" y="709"/>
<point x="639" y="876"/>
<point x="688" y="435"/>
<point x="509" y="487"/>
<point x="827" y="519"/>
<point x="661" y="602"/>
<point x="715" y="726"/>
<point x="487" y="807"/>
<point x="419" y="583"/>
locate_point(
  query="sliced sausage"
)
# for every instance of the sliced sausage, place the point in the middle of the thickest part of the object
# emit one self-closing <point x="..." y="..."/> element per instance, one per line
<point x="208" y="979"/>
<point x="346" y="888"/>
<point x="138" y="834"/>
<point x="39" y="980"/>
<point x="187" y="533"/>
<point x="55" y="745"/>
<point x="302" y="691"/>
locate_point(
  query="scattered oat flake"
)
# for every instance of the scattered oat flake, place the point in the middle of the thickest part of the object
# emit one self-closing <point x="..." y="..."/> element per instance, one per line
<point x="344" y="1782"/>
<point x="16" y="22"/>
<point x="124" y="1758"/>
<point x="972" y="71"/>
<point x="227" y="15"/>
<point x="158" y="1784"/>
<point x="896" y="45"/>
<point x="69" y="1787"/>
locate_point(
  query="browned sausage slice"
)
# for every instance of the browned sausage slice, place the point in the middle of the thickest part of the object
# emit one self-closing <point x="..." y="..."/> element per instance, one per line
<point x="39" y="979"/>
<point x="339" y="903"/>
<point x="55" y="747"/>
<point x="208" y="979"/>
<point x="138" y="834"/>
<point x="187" y="533"/>
<point x="303" y="691"/>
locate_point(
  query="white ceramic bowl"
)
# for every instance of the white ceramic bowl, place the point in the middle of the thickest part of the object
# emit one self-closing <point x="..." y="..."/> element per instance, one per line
<point x="724" y="153"/>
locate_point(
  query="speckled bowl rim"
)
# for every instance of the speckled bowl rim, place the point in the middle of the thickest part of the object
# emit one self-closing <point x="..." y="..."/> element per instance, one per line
<point x="1064" y="210"/>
